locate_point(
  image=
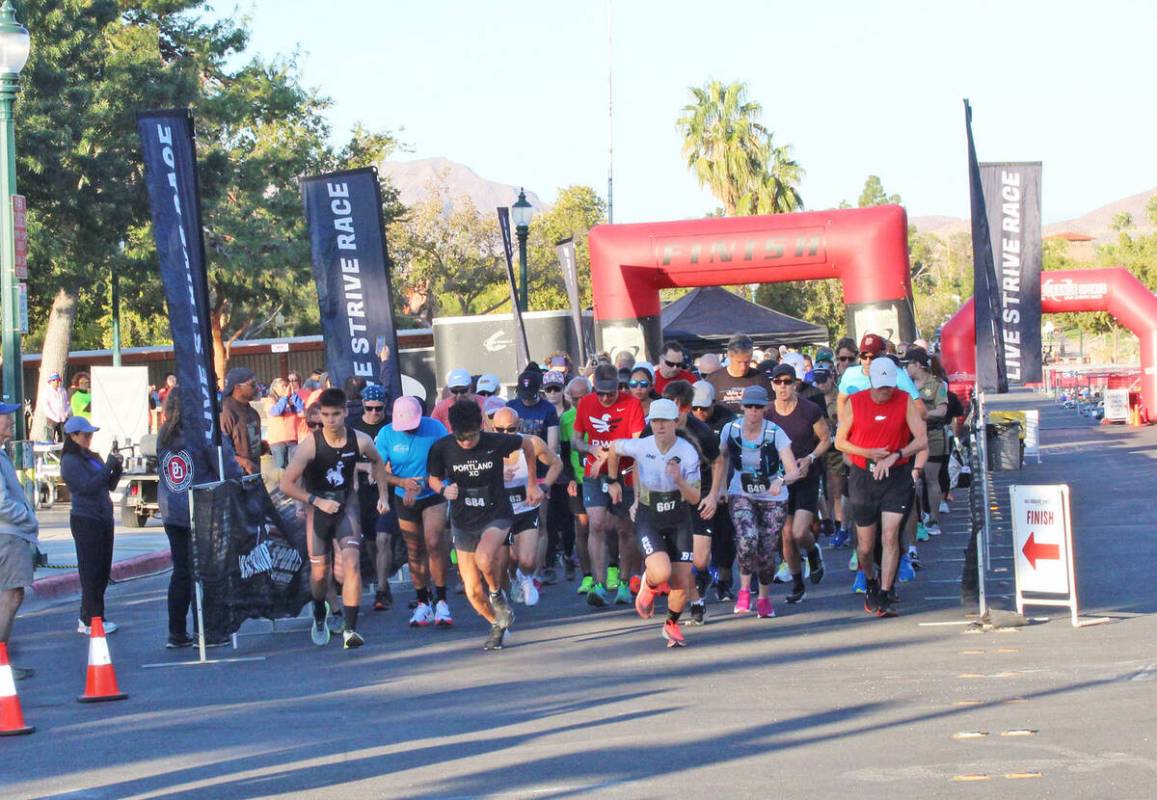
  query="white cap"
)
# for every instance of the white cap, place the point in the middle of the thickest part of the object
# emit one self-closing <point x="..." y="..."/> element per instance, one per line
<point x="488" y="382"/>
<point x="663" y="409"/>
<point x="458" y="377"/>
<point x="704" y="394"/>
<point x="882" y="373"/>
<point x="797" y="362"/>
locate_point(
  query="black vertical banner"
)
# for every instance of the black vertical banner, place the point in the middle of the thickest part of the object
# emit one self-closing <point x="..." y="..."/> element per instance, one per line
<point x="1013" y="202"/>
<point x="522" y="347"/>
<point x="168" y="144"/>
<point x="351" y="269"/>
<point x="569" y="262"/>
<point x="990" y="370"/>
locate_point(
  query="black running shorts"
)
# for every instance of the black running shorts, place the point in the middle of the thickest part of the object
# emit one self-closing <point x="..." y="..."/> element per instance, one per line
<point x="871" y="497"/>
<point x="804" y="494"/>
<point x="663" y="534"/>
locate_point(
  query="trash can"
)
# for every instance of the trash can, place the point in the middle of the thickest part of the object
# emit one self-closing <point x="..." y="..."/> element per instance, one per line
<point x="1005" y="451"/>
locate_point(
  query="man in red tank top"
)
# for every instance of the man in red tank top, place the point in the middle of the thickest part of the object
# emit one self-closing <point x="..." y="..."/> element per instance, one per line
<point x="881" y="432"/>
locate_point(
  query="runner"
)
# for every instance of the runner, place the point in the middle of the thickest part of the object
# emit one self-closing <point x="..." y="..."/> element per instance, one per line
<point x="603" y="417"/>
<point x="803" y="422"/>
<point x="706" y="410"/>
<point x="667" y="480"/>
<point x="881" y="429"/>
<point x="524" y="530"/>
<point x="466" y="469"/>
<point x="641" y="385"/>
<point x="325" y="462"/>
<point x="737" y="375"/>
<point x="757" y="455"/>
<point x="405" y="445"/>
<point x="853" y="380"/>
<point x="378" y="550"/>
<point x="934" y="394"/>
<point x="671" y="366"/>
<point x="458" y="384"/>
<point x="576" y="390"/>
<point x="560" y="524"/>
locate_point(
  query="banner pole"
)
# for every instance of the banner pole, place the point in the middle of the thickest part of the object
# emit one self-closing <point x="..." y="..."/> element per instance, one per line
<point x="983" y="541"/>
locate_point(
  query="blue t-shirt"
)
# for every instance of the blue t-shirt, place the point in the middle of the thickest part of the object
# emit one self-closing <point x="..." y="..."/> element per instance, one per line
<point x="854" y="380"/>
<point x="534" y="419"/>
<point x="406" y="451"/>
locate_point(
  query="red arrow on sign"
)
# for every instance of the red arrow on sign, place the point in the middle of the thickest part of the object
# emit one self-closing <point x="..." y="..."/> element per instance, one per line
<point x="1033" y="550"/>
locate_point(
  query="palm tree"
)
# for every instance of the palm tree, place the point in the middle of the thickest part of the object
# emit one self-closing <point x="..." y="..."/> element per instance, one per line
<point x="723" y="141"/>
<point x="778" y="192"/>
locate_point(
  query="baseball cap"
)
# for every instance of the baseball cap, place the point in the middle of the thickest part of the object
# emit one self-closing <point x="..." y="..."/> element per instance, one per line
<point x="821" y="374"/>
<point x="492" y="404"/>
<point x="916" y="354"/>
<point x="882" y="373"/>
<point x="825" y="354"/>
<point x="529" y="382"/>
<point x="235" y="376"/>
<point x="754" y="396"/>
<point x="606" y="378"/>
<point x="797" y="361"/>
<point x="767" y="366"/>
<point x="784" y="369"/>
<point x="458" y="378"/>
<point x="704" y="395"/>
<point x="11" y="408"/>
<point x="624" y="376"/>
<point x="645" y="366"/>
<point x="553" y="378"/>
<point x="79" y="424"/>
<point x="373" y="393"/>
<point x="663" y="409"/>
<point x="54" y="376"/>
<point x="407" y="413"/>
<point x="489" y="383"/>
<point x="873" y="343"/>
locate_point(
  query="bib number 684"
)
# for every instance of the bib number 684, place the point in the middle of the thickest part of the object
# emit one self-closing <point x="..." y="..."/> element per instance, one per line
<point x="475" y="502"/>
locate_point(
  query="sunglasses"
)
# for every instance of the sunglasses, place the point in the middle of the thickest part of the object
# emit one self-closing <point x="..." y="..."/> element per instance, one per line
<point x="756" y="406"/>
<point x="846" y="359"/>
<point x="465" y="437"/>
<point x="639" y="384"/>
<point x="672" y="363"/>
<point x="607" y="394"/>
<point x="511" y="429"/>
<point x="313" y="426"/>
<point x="374" y="409"/>
<point x="783" y="381"/>
<point x="460" y="390"/>
<point x="868" y="356"/>
<point x="553" y="389"/>
<point x="701" y="408"/>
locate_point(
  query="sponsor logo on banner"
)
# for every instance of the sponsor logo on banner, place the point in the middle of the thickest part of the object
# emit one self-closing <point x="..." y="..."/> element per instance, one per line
<point x="177" y="470"/>
<point x="1066" y="289"/>
<point x="496" y="342"/>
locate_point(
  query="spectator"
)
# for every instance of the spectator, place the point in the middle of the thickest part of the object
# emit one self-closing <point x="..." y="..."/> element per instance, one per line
<point x="672" y="367"/>
<point x="18" y="534"/>
<point x="89" y="481"/>
<point x="311" y="422"/>
<point x="284" y="408"/>
<point x="624" y="359"/>
<point x="80" y="395"/>
<point x="56" y="406"/>
<point x="240" y="422"/>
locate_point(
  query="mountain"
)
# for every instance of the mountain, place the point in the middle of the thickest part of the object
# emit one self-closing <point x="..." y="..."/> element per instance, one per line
<point x="413" y="180"/>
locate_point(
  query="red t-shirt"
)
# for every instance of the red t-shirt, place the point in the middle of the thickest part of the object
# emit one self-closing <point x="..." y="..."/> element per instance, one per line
<point x="603" y="424"/>
<point x="681" y="375"/>
<point x="879" y="424"/>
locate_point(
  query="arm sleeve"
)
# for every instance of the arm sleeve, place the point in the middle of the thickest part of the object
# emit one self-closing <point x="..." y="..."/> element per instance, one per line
<point x="279" y="407"/>
<point x="79" y="478"/>
<point x="14" y="510"/>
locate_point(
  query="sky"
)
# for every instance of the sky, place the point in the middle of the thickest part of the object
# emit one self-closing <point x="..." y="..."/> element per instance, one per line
<point x="519" y="91"/>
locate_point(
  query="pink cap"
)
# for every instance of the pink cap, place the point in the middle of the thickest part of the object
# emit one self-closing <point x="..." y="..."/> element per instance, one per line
<point x="407" y="413"/>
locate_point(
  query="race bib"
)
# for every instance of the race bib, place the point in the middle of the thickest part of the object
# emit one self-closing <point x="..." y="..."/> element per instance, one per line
<point x="754" y="483"/>
<point x="665" y="502"/>
<point x="517" y="496"/>
<point x="475" y="497"/>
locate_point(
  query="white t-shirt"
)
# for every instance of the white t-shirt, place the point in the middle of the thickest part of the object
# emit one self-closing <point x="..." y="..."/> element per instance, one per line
<point x="751" y="459"/>
<point x="651" y="465"/>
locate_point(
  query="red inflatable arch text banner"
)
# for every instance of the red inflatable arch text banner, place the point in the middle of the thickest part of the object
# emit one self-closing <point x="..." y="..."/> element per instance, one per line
<point x="1115" y="290"/>
<point x="866" y="248"/>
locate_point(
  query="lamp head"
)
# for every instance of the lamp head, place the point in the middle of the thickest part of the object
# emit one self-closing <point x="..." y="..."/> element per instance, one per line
<point x="522" y="211"/>
<point x="15" y="44"/>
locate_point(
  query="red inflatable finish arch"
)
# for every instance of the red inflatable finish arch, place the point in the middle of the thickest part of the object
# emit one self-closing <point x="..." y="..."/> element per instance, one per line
<point x="866" y="248"/>
<point x="1115" y="290"/>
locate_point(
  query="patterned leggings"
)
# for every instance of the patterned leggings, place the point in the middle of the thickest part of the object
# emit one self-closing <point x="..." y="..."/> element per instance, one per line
<point x="758" y="524"/>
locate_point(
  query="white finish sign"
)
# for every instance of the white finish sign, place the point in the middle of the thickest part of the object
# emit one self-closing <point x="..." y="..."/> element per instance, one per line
<point x="1117" y="405"/>
<point x="120" y="406"/>
<point x="1043" y="547"/>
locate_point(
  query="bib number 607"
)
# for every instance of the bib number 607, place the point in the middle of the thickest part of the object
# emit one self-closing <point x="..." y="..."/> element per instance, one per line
<point x="663" y="506"/>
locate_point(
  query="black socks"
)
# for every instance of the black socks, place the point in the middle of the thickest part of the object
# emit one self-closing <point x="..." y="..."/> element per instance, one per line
<point x="350" y="616"/>
<point x="319" y="611"/>
<point x="424" y="595"/>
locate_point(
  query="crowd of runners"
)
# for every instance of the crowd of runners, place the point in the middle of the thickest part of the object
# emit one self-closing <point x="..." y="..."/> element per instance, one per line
<point x="636" y="481"/>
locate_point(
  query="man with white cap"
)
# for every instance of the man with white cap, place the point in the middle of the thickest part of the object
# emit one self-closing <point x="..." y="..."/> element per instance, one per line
<point x="18" y="534"/>
<point x="458" y="384"/>
<point x="54" y="401"/>
<point x="881" y="429"/>
<point x="405" y="445"/>
<point x="667" y="492"/>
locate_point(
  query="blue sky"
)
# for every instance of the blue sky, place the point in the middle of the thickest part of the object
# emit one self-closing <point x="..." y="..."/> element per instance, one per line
<point x="518" y="91"/>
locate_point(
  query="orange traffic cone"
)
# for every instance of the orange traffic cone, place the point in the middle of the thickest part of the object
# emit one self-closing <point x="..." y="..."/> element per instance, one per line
<point x="11" y="717"/>
<point x="101" y="683"/>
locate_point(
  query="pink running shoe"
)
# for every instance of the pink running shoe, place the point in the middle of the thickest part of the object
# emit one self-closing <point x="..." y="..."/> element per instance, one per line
<point x="645" y="600"/>
<point x="764" y="608"/>
<point x="743" y="602"/>
<point x="673" y="634"/>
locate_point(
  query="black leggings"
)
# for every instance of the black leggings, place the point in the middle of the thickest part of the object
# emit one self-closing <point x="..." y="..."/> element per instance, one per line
<point x="722" y="538"/>
<point x="181" y="581"/>
<point x="559" y="523"/>
<point x="93" y="539"/>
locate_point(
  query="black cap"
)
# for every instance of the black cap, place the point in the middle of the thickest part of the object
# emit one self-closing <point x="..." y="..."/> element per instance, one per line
<point x="529" y="382"/>
<point x="784" y="369"/>
<point x="606" y="378"/>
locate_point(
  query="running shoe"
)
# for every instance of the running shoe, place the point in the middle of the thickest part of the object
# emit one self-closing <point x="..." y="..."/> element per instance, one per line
<point x="885" y="606"/>
<point x="905" y="572"/>
<point x="597" y="596"/>
<point x="645" y="602"/>
<point x="797" y="594"/>
<point x="933" y="528"/>
<point x="442" y="616"/>
<point x="944" y="507"/>
<point x="623" y="595"/>
<point x="526" y="590"/>
<point x="724" y="592"/>
<point x="860" y="586"/>
<point x="109" y="627"/>
<point x="494" y="640"/>
<point x="815" y="560"/>
<point x="351" y="640"/>
<point x="423" y="616"/>
<point x="914" y="557"/>
<point x="336" y="623"/>
<point x="383" y="601"/>
<point x="319" y="632"/>
<point x="673" y="635"/>
<point x="613" y="578"/>
<point x="872" y="599"/>
<point x="841" y="538"/>
<point x="634" y="583"/>
<point x="922" y="532"/>
<point x="854" y="562"/>
<point x="783" y="574"/>
<point x="177" y="642"/>
<point x="549" y="576"/>
<point x="698" y="612"/>
<point x="764" y="609"/>
<point x="503" y="613"/>
<point x="893" y="596"/>
<point x="586" y="585"/>
<point x="743" y="602"/>
<point x="827" y="527"/>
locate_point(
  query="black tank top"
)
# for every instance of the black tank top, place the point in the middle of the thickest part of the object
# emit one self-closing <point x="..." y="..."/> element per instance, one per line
<point x="331" y="472"/>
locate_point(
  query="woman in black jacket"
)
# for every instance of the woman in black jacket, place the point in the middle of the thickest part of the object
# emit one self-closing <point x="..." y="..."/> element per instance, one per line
<point x="89" y="481"/>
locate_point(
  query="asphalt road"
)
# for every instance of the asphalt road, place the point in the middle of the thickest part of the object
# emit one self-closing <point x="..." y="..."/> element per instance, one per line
<point x="822" y="701"/>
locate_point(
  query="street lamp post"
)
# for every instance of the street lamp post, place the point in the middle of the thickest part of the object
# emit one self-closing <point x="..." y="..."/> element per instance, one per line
<point x="522" y="211"/>
<point x="14" y="49"/>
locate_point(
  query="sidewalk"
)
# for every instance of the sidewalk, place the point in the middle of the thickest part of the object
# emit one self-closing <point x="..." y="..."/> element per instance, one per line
<point x="136" y="552"/>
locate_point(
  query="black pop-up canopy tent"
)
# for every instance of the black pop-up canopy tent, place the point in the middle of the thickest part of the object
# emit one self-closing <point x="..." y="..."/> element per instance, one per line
<point x="706" y="317"/>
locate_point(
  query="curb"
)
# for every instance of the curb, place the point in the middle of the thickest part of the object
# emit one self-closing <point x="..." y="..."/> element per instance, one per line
<point x="135" y="567"/>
